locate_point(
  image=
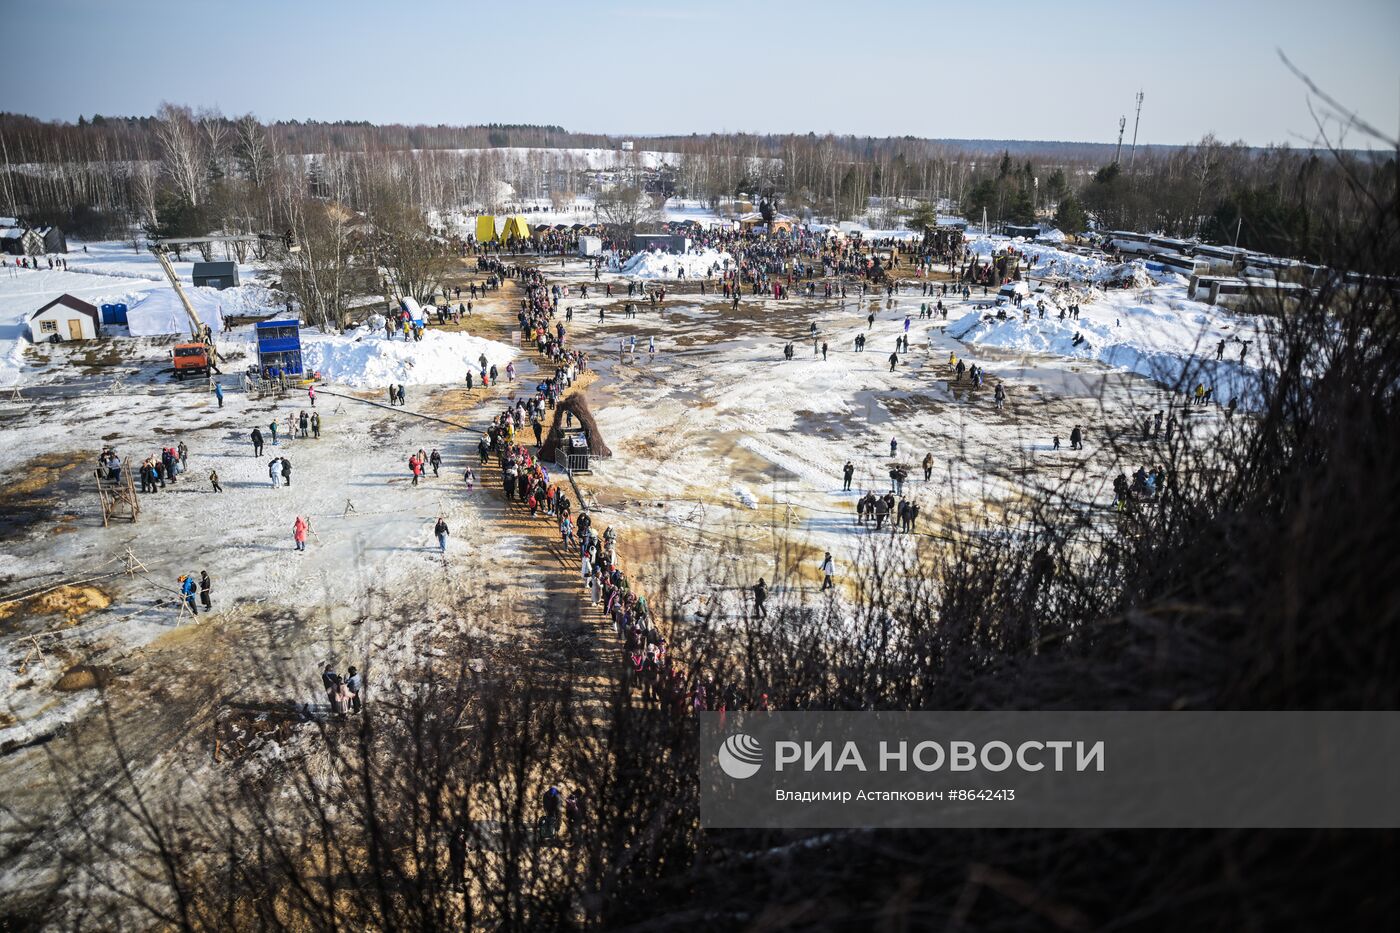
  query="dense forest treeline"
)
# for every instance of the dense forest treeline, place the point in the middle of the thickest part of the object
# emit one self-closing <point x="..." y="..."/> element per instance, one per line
<point x="104" y="175"/>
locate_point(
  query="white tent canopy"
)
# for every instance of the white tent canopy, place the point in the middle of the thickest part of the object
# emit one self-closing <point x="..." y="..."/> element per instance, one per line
<point x="160" y="312"/>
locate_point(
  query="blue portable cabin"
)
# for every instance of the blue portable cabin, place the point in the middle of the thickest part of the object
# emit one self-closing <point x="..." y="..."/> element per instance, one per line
<point x="279" y="346"/>
<point x="113" y="314"/>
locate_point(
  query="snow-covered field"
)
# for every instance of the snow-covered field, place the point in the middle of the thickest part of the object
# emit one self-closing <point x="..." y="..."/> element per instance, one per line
<point x="717" y="436"/>
<point x="24" y="291"/>
<point x="120" y="258"/>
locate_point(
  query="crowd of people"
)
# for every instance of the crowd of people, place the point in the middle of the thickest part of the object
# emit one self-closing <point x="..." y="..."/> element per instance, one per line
<point x="155" y="472"/>
<point x="343" y="692"/>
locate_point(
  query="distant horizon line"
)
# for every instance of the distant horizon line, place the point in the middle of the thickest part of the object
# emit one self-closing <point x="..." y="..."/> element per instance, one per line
<point x="624" y="136"/>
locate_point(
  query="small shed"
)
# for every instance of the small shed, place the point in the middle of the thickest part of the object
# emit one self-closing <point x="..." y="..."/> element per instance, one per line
<point x="589" y="246"/>
<point x="64" y="318"/>
<point x="37" y="241"/>
<point x="215" y="275"/>
<point x="12" y="240"/>
<point x="1022" y="230"/>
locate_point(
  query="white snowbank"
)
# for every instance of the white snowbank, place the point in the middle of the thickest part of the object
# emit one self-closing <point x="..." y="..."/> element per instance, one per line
<point x="1155" y="332"/>
<point x="658" y="265"/>
<point x="1041" y="260"/>
<point x="364" y="358"/>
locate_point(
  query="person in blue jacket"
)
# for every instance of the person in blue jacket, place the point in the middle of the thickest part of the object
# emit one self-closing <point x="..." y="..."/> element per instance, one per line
<point x="188" y="589"/>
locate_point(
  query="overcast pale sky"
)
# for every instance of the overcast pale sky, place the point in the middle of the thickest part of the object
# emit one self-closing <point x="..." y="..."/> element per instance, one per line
<point x="1011" y="69"/>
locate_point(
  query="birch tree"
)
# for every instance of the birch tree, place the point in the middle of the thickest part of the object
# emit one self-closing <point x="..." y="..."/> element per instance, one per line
<point x="181" y="152"/>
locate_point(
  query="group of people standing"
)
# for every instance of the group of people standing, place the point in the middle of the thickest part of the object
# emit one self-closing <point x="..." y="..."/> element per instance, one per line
<point x="901" y="512"/>
<point x="343" y="693"/>
<point x="156" y="470"/>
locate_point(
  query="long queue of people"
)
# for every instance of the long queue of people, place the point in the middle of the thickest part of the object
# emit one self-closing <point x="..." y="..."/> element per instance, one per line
<point x="648" y="667"/>
<point x="527" y="483"/>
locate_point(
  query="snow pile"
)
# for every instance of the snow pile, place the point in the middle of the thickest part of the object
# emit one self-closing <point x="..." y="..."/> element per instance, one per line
<point x="678" y="209"/>
<point x="1041" y="260"/>
<point x="1124" y="275"/>
<point x="1154" y="332"/>
<point x="868" y="233"/>
<point x="365" y="359"/>
<point x="659" y="265"/>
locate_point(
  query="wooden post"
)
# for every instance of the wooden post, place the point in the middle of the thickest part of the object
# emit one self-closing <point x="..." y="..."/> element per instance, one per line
<point x="102" y="499"/>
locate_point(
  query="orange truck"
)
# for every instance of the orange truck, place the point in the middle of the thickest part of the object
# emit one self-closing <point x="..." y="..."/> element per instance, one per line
<point x="190" y="359"/>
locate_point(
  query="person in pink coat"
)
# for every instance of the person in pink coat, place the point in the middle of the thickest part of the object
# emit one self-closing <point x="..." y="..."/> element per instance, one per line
<point x="299" y="529"/>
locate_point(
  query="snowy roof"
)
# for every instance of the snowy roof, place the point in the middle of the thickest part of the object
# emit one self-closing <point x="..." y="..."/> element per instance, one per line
<point x="68" y="301"/>
<point x="9" y="221"/>
<point x="11" y="233"/>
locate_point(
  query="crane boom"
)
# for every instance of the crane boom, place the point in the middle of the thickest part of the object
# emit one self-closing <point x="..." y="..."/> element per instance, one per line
<point x="196" y="325"/>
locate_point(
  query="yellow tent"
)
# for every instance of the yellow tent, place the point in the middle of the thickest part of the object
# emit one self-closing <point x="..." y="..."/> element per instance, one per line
<point x="516" y="227"/>
<point x="486" y="229"/>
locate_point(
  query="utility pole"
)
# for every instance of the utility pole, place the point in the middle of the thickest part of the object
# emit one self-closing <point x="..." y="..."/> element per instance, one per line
<point x="1132" y="153"/>
<point x="1118" y="154"/>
